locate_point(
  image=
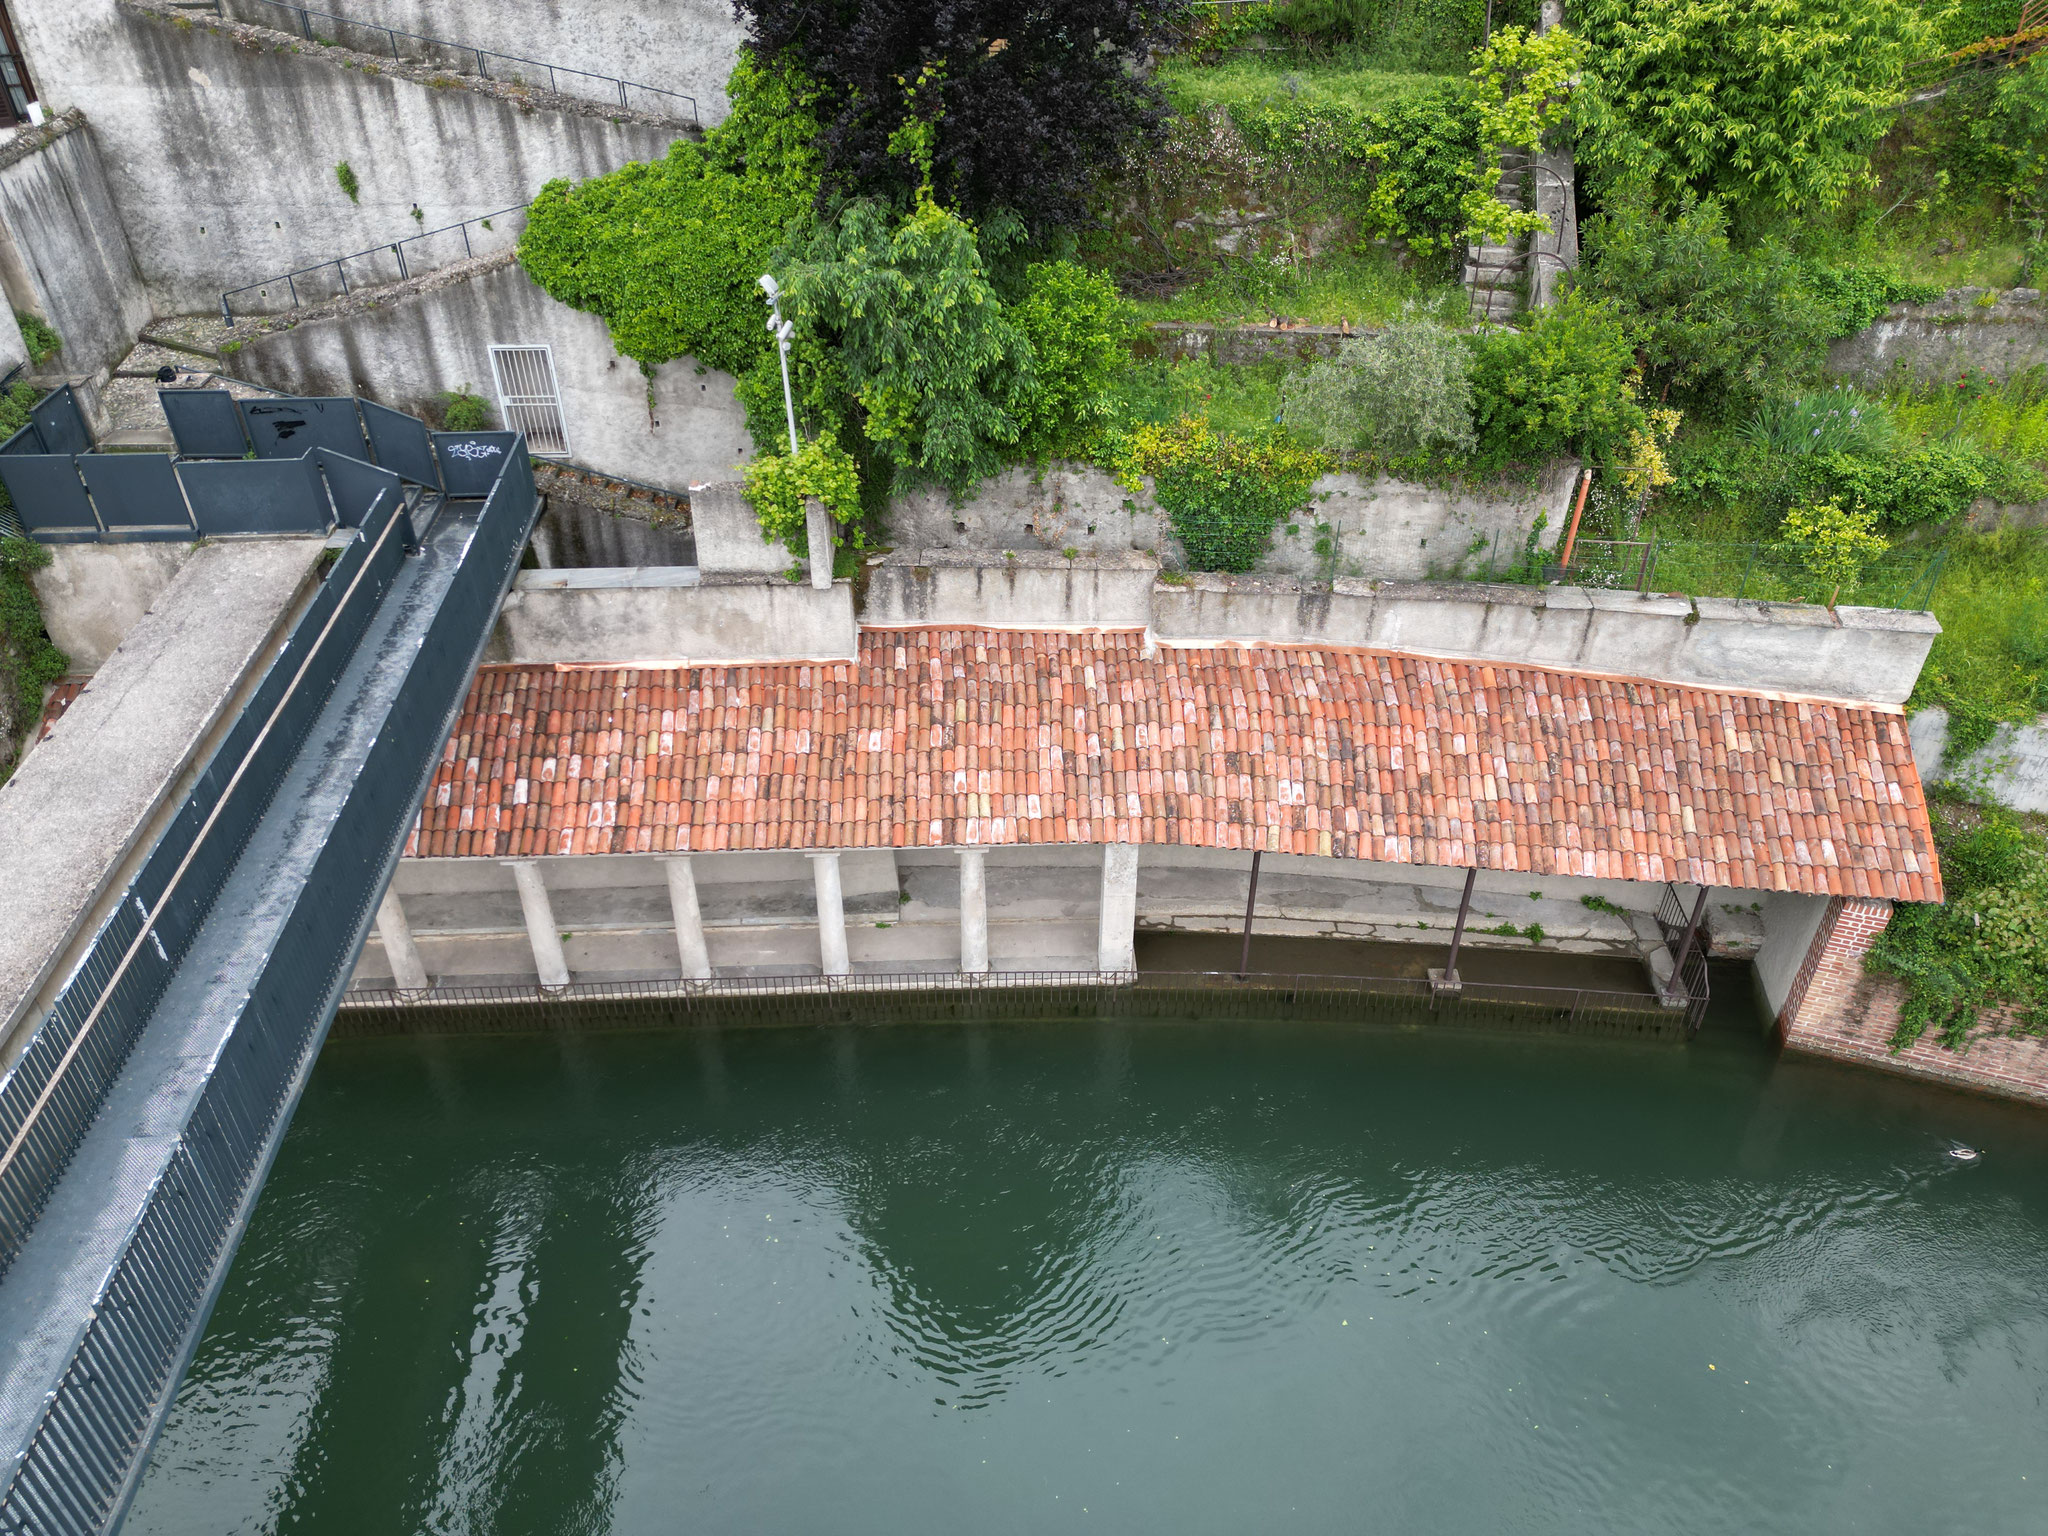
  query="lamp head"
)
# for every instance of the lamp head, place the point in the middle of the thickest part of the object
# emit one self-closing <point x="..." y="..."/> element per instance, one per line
<point x="770" y="287"/>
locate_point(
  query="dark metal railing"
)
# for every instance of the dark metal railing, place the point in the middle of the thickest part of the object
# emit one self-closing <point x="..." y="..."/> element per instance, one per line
<point x="392" y="248"/>
<point x="943" y="997"/>
<point x="484" y="58"/>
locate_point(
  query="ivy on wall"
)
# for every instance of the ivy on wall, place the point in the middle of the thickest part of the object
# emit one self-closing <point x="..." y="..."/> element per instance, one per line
<point x="667" y="252"/>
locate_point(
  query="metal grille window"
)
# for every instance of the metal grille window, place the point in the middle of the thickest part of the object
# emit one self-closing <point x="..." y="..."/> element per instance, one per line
<point x="529" y="400"/>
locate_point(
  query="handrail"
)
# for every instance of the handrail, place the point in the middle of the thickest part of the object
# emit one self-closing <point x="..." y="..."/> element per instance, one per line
<point x="392" y="35"/>
<point x="395" y="247"/>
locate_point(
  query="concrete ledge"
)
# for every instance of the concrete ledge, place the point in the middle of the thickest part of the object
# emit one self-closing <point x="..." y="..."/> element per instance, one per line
<point x="86" y="798"/>
<point x="94" y="594"/>
<point x="607" y="617"/>
<point x="1032" y="590"/>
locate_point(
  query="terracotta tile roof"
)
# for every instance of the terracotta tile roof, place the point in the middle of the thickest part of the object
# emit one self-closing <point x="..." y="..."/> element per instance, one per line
<point x="948" y="737"/>
<point x="59" y="700"/>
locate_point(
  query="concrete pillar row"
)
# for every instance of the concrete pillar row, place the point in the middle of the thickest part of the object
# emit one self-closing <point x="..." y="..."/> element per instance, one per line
<point x="973" y="912"/>
<point x="408" y="972"/>
<point x="689" y="919"/>
<point x="541" y="932"/>
<point x="831" y="913"/>
<point x="1116" y="943"/>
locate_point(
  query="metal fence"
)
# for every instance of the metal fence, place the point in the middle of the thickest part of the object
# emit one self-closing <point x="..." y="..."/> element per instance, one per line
<point x="491" y="64"/>
<point x="1700" y="568"/>
<point x="81" y="1463"/>
<point x="943" y="998"/>
<point x="431" y="250"/>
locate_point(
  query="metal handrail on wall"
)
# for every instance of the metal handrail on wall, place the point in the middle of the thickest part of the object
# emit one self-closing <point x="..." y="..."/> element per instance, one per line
<point x="395" y="248"/>
<point x="555" y="72"/>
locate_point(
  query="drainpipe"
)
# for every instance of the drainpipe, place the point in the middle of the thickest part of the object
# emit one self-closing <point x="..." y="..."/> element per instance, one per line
<point x="1447" y="979"/>
<point x="1251" y="897"/>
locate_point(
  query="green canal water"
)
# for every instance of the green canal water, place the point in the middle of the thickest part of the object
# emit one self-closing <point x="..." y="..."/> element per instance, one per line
<point x="1122" y="1278"/>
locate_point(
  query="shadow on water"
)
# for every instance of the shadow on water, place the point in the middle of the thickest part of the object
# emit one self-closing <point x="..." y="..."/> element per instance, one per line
<point x="1198" y="1277"/>
<point x="1368" y="957"/>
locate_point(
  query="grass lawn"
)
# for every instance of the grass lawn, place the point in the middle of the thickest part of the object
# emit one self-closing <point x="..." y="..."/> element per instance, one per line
<point x="1252" y="79"/>
<point x="1366" y="287"/>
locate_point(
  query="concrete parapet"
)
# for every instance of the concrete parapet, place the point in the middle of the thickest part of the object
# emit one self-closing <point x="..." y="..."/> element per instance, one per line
<point x="665" y="616"/>
<point x="1031" y="590"/>
<point x="729" y="537"/>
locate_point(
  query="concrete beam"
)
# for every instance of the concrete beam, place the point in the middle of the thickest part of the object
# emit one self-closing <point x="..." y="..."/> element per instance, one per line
<point x="973" y="912"/>
<point x="682" y="900"/>
<point x="831" y="914"/>
<point x="408" y="972"/>
<point x="1116" y="945"/>
<point x="541" y="933"/>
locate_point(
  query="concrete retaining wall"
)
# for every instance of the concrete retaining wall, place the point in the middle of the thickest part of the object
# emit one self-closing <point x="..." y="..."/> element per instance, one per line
<point x="94" y="594"/>
<point x="1866" y="655"/>
<point x="1035" y="590"/>
<point x="220" y="145"/>
<point x="685" y="45"/>
<point x="2012" y="769"/>
<point x="1388" y="530"/>
<point x="663" y="616"/>
<point x="414" y="345"/>
<point x="1958" y="334"/>
<point x="63" y="253"/>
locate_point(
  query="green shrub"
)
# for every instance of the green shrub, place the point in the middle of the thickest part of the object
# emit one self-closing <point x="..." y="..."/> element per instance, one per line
<point x="42" y="342"/>
<point x="28" y="661"/>
<point x="1774" y="105"/>
<point x="1564" y="383"/>
<point x="777" y="486"/>
<point x="669" y="252"/>
<point x="1079" y="329"/>
<point x="1928" y="485"/>
<point x="1989" y="664"/>
<point x="345" y="176"/>
<point x="1836" y="421"/>
<point x="1859" y="296"/>
<point x="1832" y="542"/>
<point x="1988" y="945"/>
<point x="1223" y="493"/>
<point x="462" y="410"/>
<point x="923" y="359"/>
<point x="1403" y="391"/>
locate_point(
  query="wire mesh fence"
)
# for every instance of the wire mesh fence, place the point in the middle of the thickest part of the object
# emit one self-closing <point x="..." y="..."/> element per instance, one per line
<point x="1700" y="568"/>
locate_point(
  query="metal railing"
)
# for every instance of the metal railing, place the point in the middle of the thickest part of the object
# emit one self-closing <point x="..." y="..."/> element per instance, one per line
<point x="1701" y="568"/>
<point x="482" y="58"/>
<point x="395" y="249"/>
<point x="944" y="997"/>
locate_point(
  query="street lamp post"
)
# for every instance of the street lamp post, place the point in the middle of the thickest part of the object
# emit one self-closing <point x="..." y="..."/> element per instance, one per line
<point x="782" y="330"/>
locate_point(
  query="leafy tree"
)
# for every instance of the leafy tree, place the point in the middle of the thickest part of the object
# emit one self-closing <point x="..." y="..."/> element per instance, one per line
<point x="1774" y="102"/>
<point x="1403" y="391"/>
<point x="1565" y="382"/>
<point x="1707" y="319"/>
<point x="667" y="252"/>
<point x="1031" y="102"/>
<point x="1834" y="543"/>
<point x="1079" y="329"/>
<point x="921" y="356"/>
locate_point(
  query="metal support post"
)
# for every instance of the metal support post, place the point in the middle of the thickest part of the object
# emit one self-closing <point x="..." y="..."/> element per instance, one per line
<point x="1447" y="981"/>
<point x="1251" y="897"/>
<point x="1676" y="986"/>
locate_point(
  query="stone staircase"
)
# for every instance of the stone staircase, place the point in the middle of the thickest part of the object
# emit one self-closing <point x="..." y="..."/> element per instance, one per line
<point x="1495" y="276"/>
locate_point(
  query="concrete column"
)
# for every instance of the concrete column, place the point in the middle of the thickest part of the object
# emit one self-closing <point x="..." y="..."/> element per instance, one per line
<point x="1116" y="948"/>
<point x="818" y="538"/>
<point x="682" y="901"/>
<point x="407" y="973"/>
<point x="541" y="931"/>
<point x="973" y="913"/>
<point x="831" y="913"/>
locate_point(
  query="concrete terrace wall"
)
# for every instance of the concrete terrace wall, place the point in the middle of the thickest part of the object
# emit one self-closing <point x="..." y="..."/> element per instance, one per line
<point x="220" y="143"/>
<point x="1958" y="334"/>
<point x="63" y="253"/>
<point x="627" y="617"/>
<point x="412" y="343"/>
<point x="682" y="45"/>
<point x="93" y="594"/>
<point x="1391" y="530"/>
<point x="2011" y="769"/>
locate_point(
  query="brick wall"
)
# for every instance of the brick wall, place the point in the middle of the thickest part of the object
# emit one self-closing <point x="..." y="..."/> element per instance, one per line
<point x="1835" y="1009"/>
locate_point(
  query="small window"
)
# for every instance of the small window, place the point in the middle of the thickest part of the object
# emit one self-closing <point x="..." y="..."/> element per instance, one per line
<point x="529" y="400"/>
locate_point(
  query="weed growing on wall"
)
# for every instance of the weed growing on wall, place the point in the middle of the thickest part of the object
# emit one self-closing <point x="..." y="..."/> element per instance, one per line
<point x="42" y="342"/>
<point x="777" y="486"/>
<point x="463" y="410"/>
<point x="667" y="252"/>
<point x="1224" y="493"/>
<point x="346" y="177"/>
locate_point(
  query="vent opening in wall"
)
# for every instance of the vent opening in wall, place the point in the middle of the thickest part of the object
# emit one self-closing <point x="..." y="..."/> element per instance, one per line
<point x="529" y="401"/>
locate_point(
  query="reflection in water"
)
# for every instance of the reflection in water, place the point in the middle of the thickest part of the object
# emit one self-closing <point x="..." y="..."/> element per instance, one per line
<point x="1190" y="1278"/>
